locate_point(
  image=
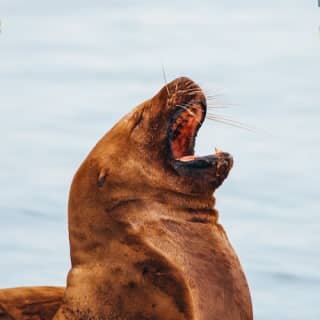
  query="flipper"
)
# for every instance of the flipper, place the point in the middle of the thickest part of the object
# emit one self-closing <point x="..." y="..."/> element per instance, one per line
<point x="30" y="303"/>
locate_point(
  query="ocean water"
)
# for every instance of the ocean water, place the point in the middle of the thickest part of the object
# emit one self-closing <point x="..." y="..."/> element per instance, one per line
<point x="70" y="69"/>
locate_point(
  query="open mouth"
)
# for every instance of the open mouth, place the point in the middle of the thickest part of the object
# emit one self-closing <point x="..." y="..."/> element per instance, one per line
<point x="185" y="126"/>
<point x="182" y="133"/>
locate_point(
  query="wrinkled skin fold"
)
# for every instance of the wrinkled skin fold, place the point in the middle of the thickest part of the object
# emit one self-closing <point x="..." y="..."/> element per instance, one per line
<point x="145" y="241"/>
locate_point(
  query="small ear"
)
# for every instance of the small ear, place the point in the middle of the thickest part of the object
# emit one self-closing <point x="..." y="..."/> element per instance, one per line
<point x="102" y="177"/>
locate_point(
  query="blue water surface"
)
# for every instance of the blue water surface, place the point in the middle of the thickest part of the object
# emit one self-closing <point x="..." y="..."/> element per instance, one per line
<point x="70" y="69"/>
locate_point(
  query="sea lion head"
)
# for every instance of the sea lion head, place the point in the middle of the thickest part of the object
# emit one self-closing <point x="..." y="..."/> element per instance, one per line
<point x="150" y="151"/>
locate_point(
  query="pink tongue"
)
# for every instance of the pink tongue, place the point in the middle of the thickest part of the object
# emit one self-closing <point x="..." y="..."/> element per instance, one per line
<point x="187" y="158"/>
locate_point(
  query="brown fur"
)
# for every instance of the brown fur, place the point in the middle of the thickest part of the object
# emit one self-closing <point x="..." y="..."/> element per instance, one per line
<point x="145" y="241"/>
<point x="30" y="303"/>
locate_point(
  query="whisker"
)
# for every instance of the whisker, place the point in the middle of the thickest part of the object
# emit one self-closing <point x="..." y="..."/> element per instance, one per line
<point x="209" y="107"/>
<point x="190" y="112"/>
<point x="190" y="84"/>
<point x="216" y="107"/>
<point x="213" y="96"/>
<point x="215" y="117"/>
<point x="165" y="79"/>
<point x="187" y="105"/>
<point x="225" y="118"/>
<point x="191" y="93"/>
<point x="198" y="107"/>
<point x="194" y="105"/>
<point x="230" y="122"/>
<point x="213" y="103"/>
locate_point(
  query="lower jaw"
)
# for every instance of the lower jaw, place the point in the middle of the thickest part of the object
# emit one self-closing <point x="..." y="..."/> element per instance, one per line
<point x="204" y="161"/>
<point x="207" y="172"/>
<point x="196" y="162"/>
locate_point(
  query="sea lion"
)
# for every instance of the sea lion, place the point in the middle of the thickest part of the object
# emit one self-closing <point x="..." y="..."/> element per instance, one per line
<point x="145" y="241"/>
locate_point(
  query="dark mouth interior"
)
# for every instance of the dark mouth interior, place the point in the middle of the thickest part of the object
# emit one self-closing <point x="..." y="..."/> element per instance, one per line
<point x="184" y="130"/>
<point x="181" y="136"/>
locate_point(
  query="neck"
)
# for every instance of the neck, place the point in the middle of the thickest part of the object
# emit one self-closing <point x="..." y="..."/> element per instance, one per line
<point x="90" y="238"/>
<point x="159" y="248"/>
